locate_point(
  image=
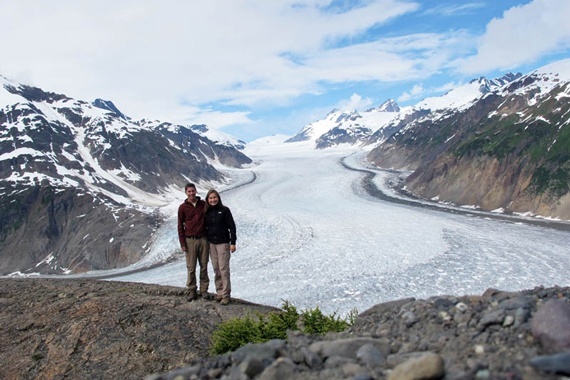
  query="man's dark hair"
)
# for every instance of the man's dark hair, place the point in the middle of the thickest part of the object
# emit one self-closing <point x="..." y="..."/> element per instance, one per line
<point x="189" y="185"/>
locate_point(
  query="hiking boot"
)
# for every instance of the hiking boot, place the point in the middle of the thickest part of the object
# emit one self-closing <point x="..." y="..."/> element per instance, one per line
<point x="192" y="297"/>
<point x="225" y="301"/>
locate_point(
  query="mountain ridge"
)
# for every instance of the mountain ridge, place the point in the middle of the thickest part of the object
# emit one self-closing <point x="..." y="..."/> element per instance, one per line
<point x="430" y="137"/>
<point x="383" y="120"/>
<point x="508" y="151"/>
<point x="64" y="160"/>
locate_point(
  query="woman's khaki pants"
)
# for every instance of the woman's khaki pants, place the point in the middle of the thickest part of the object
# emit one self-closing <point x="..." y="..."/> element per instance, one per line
<point x="220" y="257"/>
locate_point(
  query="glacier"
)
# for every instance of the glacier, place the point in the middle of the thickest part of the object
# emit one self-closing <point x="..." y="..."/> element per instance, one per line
<point x="310" y="234"/>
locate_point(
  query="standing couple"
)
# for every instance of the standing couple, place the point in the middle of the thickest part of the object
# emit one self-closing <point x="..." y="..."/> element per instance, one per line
<point x="206" y="229"/>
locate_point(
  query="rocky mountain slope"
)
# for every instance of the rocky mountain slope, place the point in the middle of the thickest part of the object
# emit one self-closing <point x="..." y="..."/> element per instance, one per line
<point x="81" y="182"/>
<point x="500" y="144"/>
<point x="110" y="330"/>
<point x="508" y="149"/>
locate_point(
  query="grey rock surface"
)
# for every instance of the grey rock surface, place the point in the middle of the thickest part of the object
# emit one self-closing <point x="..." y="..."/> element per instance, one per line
<point x="68" y="329"/>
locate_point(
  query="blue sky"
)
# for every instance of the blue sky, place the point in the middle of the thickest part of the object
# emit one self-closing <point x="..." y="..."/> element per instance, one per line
<point x="258" y="68"/>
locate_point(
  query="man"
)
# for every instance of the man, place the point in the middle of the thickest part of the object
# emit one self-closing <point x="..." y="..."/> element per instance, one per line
<point x="192" y="236"/>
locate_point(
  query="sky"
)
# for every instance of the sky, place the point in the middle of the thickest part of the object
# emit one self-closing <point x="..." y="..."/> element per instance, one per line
<point x="259" y="68"/>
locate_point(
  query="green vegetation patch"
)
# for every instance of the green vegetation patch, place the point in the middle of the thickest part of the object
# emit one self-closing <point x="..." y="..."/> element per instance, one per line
<point x="556" y="181"/>
<point x="238" y="332"/>
<point x="544" y="142"/>
<point x="497" y="139"/>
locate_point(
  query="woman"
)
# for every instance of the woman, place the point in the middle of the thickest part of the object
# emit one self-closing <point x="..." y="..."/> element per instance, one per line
<point x="221" y="234"/>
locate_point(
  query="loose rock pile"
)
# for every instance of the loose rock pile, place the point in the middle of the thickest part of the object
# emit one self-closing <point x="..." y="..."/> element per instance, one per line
<point x="499" y="335"/>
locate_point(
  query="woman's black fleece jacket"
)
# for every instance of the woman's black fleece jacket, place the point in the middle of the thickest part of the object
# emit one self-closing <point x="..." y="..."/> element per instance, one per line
<point x="220" y="225"/>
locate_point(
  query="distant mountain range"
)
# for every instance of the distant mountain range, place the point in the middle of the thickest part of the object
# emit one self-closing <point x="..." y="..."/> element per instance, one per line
<point x="77" y="179"/>
<point x="500" y="144"/>
<point x="376" y="125"/>
<point x="82" y="184"/>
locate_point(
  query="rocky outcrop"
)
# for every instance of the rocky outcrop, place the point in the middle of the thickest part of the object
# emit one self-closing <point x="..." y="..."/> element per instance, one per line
<point x="498" y="335"/>
<point x="97" y="329"/>
<point x="89" y="329"/>
<point x="51" y="230"/>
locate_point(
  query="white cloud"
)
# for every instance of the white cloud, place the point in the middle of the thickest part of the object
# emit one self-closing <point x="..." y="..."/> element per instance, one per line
<point x="356" y="102"/>
<point x="416" y="92"/>
<point x="179" y="60"/>
<point x="197" y="47"/>
<point x="523" y="35"/>
<point x="238" y="52"/>
<point x="454" y="9"/>
<point x="218" y="120"/>
<point x="189" y="114"/>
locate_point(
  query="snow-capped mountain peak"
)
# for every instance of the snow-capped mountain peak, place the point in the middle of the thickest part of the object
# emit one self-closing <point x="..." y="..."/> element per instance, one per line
<point x="463" y="96"/>
<point x="219" y="136"/>
<point x="8" y="97"/>
<point x="542" y="81"/>
<point x="389" y="105"/>
<point x="375" y="125"/>
<point x="81" y="142"/>
<point x="109" y="106"/>
<point x="559" y="70"/>
<point x="351" y="127"/>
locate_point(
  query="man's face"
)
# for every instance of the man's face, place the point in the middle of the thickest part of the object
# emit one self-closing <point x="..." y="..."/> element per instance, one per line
<point x="191" y="194"/>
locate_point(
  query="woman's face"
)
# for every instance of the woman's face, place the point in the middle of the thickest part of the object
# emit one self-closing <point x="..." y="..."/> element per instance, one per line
<point x="213" y="199"/>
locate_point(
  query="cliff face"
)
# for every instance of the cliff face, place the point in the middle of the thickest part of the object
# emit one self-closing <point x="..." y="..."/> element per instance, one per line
<point x="487" y="182"/>
<point x="51" y="230"/>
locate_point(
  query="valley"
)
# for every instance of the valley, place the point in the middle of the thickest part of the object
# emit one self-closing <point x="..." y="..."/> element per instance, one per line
<point x="309" y="233"/>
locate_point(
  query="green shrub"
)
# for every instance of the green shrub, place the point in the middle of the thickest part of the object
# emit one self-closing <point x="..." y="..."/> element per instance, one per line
<point x="315" y="322"/>
<point x="278" y="323"/>
<point x="235" y="333"/>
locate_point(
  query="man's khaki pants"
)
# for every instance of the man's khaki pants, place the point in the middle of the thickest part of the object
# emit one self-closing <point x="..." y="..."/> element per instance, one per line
<point x="220" y="255"/>
<point x="197" y="253"/>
